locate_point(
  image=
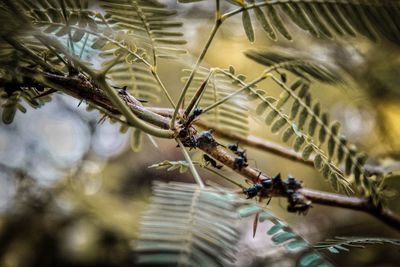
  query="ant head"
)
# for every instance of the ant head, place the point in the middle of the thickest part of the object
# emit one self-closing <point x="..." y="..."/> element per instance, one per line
<point x="197" y="111"/>
<point x="267" y="183"/>
<point x="277" y="178"/>
<point x="233" y="147"/>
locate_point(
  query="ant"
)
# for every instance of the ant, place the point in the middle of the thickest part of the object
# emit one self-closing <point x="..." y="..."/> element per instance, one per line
<point x="186" y="133"/>
<point x="241" y="159"/>
<point x="288" y="188"/>
<point x="123" y="91"/>
<point x="211" y="161"/>
<point x="196" y="113"/>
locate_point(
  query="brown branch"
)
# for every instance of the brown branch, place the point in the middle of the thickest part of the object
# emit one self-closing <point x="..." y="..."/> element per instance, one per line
<point x="79" y="87"/>
<point x="258" y="143"/>
<point x="354" y="203"/>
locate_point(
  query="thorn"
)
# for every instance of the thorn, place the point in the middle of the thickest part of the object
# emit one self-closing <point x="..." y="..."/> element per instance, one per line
<point x="102" y="119"/>
<point x="80" y="102"/>
<point x="48" y="92"/>
<point x="255" y="224"/>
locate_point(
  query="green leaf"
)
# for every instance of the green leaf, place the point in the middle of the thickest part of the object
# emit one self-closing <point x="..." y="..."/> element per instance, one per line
<point x="277" y="22"/>
<point x="298" y="143"/>
<point x="295" y="109"/>
<point x="248" y="28"/>
<point x="318" y="162"/>
<point x="278" y="125"/>
<point x="261" y="108"/>
<point x="289" y="132"/>
<point x="260" y="16"/>
<point x="308" y="150"/>
<point x="136" y="140"/>
<point x="296" y="245"/>
<point x="282" y="237"/>
<point x="275" y="228"/>
<point x="271" y="117"/>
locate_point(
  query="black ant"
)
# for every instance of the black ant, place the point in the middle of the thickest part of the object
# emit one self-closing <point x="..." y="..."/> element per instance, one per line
<point x="123" y="91"/>
<point x="241" y="159"/>
<point x="289" y="187"/>
<point x="196" y="112"/>
<point x="185" y="131"/>
<point x="211" y="161"/>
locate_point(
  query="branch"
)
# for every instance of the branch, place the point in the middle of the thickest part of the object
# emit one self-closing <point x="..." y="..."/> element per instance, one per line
<point x="80" y="88"/>
<point x="256" y="142"/>
<point x="354" y="203"/>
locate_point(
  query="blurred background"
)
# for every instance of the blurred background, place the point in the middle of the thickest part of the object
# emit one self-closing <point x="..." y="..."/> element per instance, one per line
<point x="72" y="190"/>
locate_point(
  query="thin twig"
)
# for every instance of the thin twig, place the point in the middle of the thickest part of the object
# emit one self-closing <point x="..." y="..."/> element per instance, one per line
<point x="192" y="168"/>
<point x="214" y="30"/>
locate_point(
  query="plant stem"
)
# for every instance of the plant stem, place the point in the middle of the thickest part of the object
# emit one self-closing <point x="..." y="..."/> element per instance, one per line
<point x="214" y="30"/>
<point x="354" y="203"/>
<point x="223" y="100"/>
<point x="20" y="47"/>
<point x="191" y="165"/>
<point x="130" y="116"/>
<point x="155" y="75"/>
<point x="247" y="7"/>
<point x="197" y="96"/>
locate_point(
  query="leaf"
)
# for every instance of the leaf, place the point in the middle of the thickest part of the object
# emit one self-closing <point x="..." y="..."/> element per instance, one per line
<point x="262" y="19"/>
<point x="308" y="150"/>
<point x="318" y="162"/>
<point x="278" y="125"/>
<point x="136" y="140"/>
<point x="300" y="65"/>
<point x="271" y="117"/>
<point x="289" y="132"/>
<point x="339" y="244"/>
<point x="187" y="224"/>
<point x="275" y="228"/>
<point x="295" y="109"/>
<point x="248" y="28"/>
<point x="277" y="22"/>
<point x="298" y="143"/>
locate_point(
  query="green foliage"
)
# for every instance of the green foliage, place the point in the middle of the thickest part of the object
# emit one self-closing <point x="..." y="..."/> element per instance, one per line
<point x="282" y="235"/>
<point x="151" y="25"/>
<point x="324" y="18"/>
<point x="292" y="126"/>
<point x="339" y="244"/>
<point x="209" y="239"/>
<point x="13" y="95"/>
<point x="298" y="65"/>
<point x="182" y="165"/>
<point x="188" y="226"/>
<point x="231" y="115"/>
<point x="306" y="112"/>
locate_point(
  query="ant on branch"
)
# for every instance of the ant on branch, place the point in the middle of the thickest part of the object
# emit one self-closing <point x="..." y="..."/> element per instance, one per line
<point x="241" y="159"/>
<point x="275" y="185"/>
<point x="211" y="161"/>
<point x="268" y="187"/>
<point x="187" y="131"/>
<point x="123" y="92"/>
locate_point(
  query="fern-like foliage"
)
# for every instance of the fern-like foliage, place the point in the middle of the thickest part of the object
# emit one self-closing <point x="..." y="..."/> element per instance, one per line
<point x="232" y="115"/>
<point x="322" y="18"/>
<point x="300" y="66"/>
<point x="309" y="117"/>
<point x="188" y="226"/>
<point x="150" y="23"/>
<point x="181" y="165"/>
<point x="277" y="119"/>
<point x="282" y="235"/>
<point x="339" y="244"/>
